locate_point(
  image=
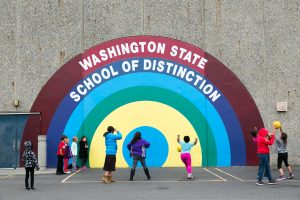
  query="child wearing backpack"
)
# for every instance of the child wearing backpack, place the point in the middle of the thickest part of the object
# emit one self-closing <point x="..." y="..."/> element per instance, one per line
<point x="67" y="156"/>
<point x="30" y="163"/>
<point x="185" y="155"/>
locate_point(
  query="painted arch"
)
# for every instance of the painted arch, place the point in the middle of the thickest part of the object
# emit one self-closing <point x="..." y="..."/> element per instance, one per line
<point x="159" y="104"/>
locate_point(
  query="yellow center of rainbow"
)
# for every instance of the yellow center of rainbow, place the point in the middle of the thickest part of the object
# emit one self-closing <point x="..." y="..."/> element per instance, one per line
<point x="145" y="113"/>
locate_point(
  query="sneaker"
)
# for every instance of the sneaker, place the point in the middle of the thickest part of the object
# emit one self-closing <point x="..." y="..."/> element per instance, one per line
<point x="280" y="178"/>
<point x="190" y="176"/>
<point x="67" y="172"/>
<point x="32" y="188"/>
<point x="260" y="183"/>
<point x="291" y="176"/>
<point x="272" y="182"/>
<point x="28" y="188"/>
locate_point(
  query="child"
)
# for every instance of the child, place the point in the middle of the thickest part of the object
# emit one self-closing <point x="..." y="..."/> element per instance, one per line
<point x="263" y="154"/>
<point x="111" y="151"/>
<point x="255" y="140"/>
<point x="83" y="151"/>
<point x="186" y="147"/>
<point x="67" y="155"/>
<point x="281" y="148"/>
<point x="60" y="156"/>
<point x="137" y="148"/>
<point x="30" y="162"/>
<point x="254" y="135"/>
<point x="74" y="153"/>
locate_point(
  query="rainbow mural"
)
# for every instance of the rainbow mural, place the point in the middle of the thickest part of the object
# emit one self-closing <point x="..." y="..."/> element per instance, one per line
<point x="157" y="85"/>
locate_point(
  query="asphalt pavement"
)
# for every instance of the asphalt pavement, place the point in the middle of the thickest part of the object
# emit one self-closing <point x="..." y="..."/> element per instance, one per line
<point x="166" y="183"/>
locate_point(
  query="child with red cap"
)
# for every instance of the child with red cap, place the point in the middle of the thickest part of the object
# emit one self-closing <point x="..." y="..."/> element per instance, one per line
<point x="263" y="141"/>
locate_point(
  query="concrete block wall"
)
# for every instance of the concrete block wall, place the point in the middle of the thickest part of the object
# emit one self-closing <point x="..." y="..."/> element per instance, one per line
<point x="258" y="40"/>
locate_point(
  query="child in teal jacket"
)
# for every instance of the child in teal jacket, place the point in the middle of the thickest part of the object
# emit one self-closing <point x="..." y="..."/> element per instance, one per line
<point x="111" y="151"/>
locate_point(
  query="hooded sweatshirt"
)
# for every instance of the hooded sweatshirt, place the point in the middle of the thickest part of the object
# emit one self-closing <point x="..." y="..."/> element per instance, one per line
<point x="263" y="143"/>
<point x="138" y="148"/>
<point x="29" y="157"/>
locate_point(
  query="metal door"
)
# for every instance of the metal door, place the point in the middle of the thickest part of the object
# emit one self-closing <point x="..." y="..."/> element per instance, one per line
<point x="11" y="132"/>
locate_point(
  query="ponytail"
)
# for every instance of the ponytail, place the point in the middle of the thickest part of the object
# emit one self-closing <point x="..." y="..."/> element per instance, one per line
<point x="105" y="133"/>
<point x="284" y="137"/>
<point x="110" y="129"/>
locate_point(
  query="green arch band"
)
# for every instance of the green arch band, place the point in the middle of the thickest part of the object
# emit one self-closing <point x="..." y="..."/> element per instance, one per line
<point x="150" y="93"/>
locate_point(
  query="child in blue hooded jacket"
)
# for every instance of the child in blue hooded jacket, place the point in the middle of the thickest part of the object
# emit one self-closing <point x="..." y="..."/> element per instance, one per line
<point x="111" y="151"/>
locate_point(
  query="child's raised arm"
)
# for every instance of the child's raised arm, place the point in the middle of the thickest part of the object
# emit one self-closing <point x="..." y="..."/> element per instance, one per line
<point x="178" y="138"/>
<point x="119" y="135"/>
<point x="280" y="130"/>
<point x="196" y="140"/>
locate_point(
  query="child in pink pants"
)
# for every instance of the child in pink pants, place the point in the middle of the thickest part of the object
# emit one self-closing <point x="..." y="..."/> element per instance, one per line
<point x="186" y="147"/>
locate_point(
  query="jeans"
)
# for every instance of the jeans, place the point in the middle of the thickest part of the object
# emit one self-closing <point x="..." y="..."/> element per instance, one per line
<point x="74" y="161"/>
<point x="137" y="158"/>
<point x="259" y="168"/>
<point x="31" y="171"/>
<point x="264" y="167"/>
<point x="60" y="164"/>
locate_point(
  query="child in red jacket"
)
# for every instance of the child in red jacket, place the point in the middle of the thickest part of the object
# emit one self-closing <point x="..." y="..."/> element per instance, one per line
<point x="60" y="156"/>
<point x="254" y="134"/>
<point x="263" y="141"/>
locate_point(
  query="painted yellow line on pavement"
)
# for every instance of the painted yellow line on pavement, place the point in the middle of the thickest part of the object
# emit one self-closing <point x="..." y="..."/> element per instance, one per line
<point x="230" y="175"/>
<point x="63" y="181"/>
<point x="223" y="179"/>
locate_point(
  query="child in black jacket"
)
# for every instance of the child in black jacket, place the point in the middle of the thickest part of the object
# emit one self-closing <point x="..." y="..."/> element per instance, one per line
<point x="30" y="162"/>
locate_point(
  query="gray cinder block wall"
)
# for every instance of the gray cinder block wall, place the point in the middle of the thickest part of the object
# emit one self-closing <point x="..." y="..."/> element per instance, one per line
<point x="258" y="40"/>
